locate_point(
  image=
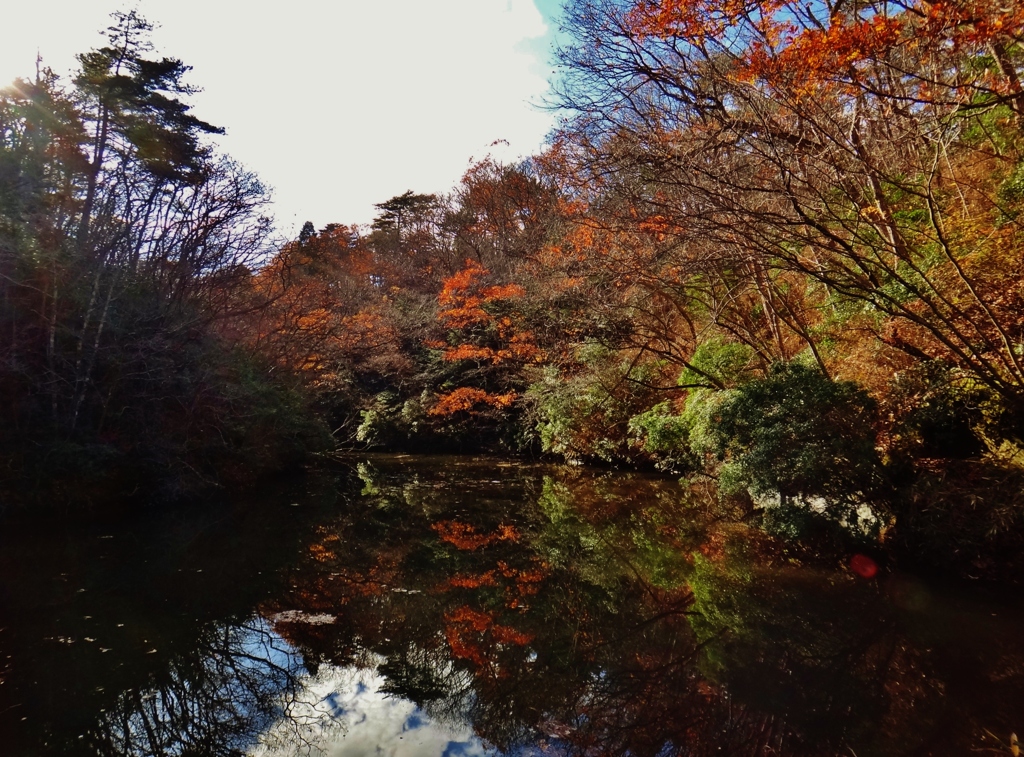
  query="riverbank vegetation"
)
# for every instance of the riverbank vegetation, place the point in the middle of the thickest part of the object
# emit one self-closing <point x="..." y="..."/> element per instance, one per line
<point x="773" y="246"/>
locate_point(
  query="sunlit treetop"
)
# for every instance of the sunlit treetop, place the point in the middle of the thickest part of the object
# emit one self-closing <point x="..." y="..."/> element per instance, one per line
<point x="801" y="46"/>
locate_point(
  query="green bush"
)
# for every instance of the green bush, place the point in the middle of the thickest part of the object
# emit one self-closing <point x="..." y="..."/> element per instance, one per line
<point x="798" y="434"/>
<point x="666" y="437"/>
<point x="727" y="363"/>
<point x="587" y="415"/>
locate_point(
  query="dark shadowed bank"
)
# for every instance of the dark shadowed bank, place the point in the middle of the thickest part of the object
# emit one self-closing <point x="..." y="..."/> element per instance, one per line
<point x="125" y="246"/>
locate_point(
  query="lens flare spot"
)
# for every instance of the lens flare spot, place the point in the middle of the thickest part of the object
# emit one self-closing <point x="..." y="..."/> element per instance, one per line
<point x="863" y="566"/>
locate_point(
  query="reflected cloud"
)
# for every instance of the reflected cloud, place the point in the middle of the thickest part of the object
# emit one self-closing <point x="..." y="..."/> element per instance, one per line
<point x="370" y="723"/>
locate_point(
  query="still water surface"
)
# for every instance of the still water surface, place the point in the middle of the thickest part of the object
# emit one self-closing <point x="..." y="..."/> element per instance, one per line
<point x="447" y="607"/>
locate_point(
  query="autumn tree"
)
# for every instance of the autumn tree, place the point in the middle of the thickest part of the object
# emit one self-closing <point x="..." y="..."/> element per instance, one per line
<point x="411" y="339"/>
<point x="501" y="215"/>
<point x="859" y="148"/>
<point x="485" y="339"/>
<point x="407" y="240"/>
<point x="333" y="325"/>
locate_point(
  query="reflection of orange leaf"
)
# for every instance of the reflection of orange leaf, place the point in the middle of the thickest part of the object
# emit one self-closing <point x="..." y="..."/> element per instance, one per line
<point x="509" y="635"/>
<point x="458" y="624"/>
<point x="320" y="553"/>
<point x="463" y="649"/>
<point x="466" y="615"/>
<point x="464" y="536"/>
<point x="473" y="582"/>
<point x="464" y="621"/>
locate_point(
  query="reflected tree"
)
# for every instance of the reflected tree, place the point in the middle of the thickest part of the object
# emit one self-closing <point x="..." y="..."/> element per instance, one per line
<point x="235" y="683"/>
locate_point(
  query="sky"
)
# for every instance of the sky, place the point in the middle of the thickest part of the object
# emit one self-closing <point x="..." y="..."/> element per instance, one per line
<point x="334" y="105"/>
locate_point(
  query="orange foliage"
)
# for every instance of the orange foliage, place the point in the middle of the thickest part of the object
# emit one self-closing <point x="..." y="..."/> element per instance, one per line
<point x="323" y="307"/>
<point x="365" y="330"/>
<point x="466" y="398"/>
<point x="971" y="22"/>
<point x="815" y="56"/>
<point x="700" y="20"/>
<point x="526" y="581"/>
<point x="521" y="583"/>
<point x="459" y="308"/>
<point x="459" y="624"/>
<point x="470" y="618"/>
<point x="786" y="46"/>
<point x="320" y="553"/>
<point x="470" y="352"/>
<point x="493" y="339"/>
<point x="459" y="581"/>
<point x="509" y="635"/>
<point x="520" y="348"/>
<point x="462" y="301"/>
<point x="658" y="226"/>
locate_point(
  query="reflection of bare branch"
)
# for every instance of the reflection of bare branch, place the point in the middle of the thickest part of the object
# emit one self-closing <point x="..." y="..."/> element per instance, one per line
<point x="237" y="682"/>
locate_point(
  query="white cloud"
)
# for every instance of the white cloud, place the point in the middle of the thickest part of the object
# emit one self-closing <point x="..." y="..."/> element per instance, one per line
<point x="336" y="105"/>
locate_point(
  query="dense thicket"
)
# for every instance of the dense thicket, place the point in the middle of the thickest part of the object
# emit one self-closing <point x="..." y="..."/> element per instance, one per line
<point x="124" y="243"/>
<point x="827" y="184"/>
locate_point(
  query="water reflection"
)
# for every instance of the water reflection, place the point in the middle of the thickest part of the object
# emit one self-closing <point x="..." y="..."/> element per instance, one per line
<point x="368" y="720"/>
<point x="142" y="640"/>
<point x="235" y="682"/>
<point x="451" y="606"/>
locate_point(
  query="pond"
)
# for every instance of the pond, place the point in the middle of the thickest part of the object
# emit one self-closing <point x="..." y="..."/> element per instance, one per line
<point x="443" y="606"/>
